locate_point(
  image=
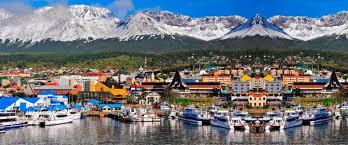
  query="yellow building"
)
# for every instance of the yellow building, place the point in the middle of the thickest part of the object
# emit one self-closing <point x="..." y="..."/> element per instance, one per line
<point x="113" y="88"/>
<point x="245" y="78"/>
<point x="257" y="99"/>
<point x="268" y="78"/>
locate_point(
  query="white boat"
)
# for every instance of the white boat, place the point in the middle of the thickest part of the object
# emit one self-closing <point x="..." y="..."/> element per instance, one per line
<point x="191" y="115"/>
<point x="74" y="113"/>
<point x="299" y="109"/>
<point x="222" y="119"/>
<point x="213" y="109"/>
<point x="269" y="116"/>
<point x="9" y="120"/>
<point x="239" y="124"/>
<point x="320" y="115"/>
<point x="55" y="118"/>
<point x="289" y="120"/>
<point x="344" y="110"/>
<point x="141" y="115"/>
<point x="33" y="118"/>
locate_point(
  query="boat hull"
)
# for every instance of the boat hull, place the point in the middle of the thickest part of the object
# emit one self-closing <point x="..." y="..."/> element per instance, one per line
<point x="221" y="124"/>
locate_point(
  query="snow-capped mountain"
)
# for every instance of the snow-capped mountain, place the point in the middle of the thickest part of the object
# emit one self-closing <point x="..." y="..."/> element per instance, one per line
<point x="257" y="26"/>
<point x="60" y="24"/>
<point x="307" y="28"/>
<point x="166" y="23"/>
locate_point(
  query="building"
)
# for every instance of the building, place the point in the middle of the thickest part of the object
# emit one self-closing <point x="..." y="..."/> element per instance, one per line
<point x="56" y="89"/>
<point x="86" y="82"/>
<point x="113" y="88"/>
<point x="319" y="89"/>
<point x="257" y="99"/>
<point x="51" y="98"/>
<point x="288" y="80"/>
<point x="223" y="79"/>
<point x="101" y="76"/>
<point x="151" y="98"/>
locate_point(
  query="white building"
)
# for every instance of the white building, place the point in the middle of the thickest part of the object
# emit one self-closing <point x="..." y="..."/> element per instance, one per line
<point x="84" y="81"/>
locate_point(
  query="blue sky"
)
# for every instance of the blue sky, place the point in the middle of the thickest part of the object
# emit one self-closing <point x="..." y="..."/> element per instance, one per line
<point x="199" y="8"/>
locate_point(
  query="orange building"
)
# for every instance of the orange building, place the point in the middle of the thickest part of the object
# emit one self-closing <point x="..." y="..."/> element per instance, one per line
<point x="223" y="79"/>
<point x="290" y="79"/>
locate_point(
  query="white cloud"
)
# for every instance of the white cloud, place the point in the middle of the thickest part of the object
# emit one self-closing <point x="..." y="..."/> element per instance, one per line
<point x="16" y="7"/>
<point x="122" y="7"/>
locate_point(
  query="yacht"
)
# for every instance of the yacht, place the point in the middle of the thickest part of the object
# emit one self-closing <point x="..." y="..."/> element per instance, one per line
<point x="222" y="119"/>
<point x="141" y="115"/>
<point x="74" y="113"/>
<point x="190" y="114"/>
<point x="55" y="118"/>
<point x="299" y="109"/>
<point x="9" y="120"/>
<point x="268" y="117"/>
<point x="290" y="119"/>
<point x="239" y="124"/>
<point x="344" y="110"/>
<point x="320" y="115"/>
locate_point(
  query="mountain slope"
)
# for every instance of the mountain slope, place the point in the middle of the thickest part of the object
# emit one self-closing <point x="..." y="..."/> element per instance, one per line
<point x="307" y="28"/>
<point x="256" y="26"/>
<point x="167" y="23"/>
<point x="60" y="24"/>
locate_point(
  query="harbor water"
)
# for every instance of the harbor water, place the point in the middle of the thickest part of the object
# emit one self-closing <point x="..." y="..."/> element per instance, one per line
<point x="105" y="131"/>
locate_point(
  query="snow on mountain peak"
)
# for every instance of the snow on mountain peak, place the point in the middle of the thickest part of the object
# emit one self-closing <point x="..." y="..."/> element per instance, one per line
<point x="256" y="26"/>
<point x="307" y="28"/>
<point x="60" y="24"/>
<point x="168" y="23"/>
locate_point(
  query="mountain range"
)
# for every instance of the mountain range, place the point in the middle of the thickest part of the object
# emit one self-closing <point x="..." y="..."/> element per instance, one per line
<point x="81" y="27"/>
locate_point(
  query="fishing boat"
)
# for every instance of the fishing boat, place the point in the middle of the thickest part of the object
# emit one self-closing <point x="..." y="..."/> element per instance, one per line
<point x="344" y="110"/>
<point x="9" y="120"/>
<point x="55" y="118"/>
<point x="190" y="114"/>
<point x="289" y="120"/>
<point x="320" y="115"/>
<point x="222" y="119"/>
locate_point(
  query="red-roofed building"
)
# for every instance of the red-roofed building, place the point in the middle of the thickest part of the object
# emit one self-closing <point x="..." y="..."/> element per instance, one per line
<point x="102" y="77"/>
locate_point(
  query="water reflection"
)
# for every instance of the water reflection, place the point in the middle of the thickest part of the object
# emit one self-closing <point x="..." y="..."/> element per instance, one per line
<point x="108" y="131"/>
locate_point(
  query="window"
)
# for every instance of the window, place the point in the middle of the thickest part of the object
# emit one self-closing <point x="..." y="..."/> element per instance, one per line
<point x="259" y="104"/>
<point x="254" y="104"/>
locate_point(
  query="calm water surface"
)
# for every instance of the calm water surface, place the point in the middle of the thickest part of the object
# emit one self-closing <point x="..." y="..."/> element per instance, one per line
<point x="106" y="131"/>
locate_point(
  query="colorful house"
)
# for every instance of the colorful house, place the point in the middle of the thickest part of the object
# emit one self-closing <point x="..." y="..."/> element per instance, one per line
<point x="114" y="88"/>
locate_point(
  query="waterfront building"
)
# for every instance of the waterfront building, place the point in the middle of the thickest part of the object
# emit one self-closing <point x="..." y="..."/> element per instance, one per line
<point x="57" y="89"/>
<point x="257" y="99"/>
<point x="20" y="104"/>
<point x="113" y="88"/>
<point x="221" y="78"/>
<point x="110" y="107"/>
<point x="288" y="80"/>
<point x="87" y="83"/>
<point x="51" y="98"/>
<point x="319" y="89"/>
<point x="150" y="99"/>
